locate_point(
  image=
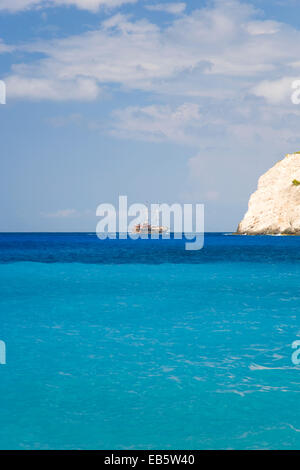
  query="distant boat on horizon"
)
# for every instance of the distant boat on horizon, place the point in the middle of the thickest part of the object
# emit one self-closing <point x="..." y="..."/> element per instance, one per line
<point x="145" y="227"/>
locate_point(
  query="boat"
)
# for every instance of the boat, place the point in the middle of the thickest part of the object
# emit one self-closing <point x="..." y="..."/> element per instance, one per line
<point x="148" y="228"/>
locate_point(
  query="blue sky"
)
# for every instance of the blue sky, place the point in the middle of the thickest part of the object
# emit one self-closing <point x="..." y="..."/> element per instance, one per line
<point x="161" y="101"/>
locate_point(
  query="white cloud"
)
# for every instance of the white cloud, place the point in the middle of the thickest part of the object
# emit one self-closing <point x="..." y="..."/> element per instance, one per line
<point x="219" y="51"/>
<point x="94" y="5"/>
<point x="5" y="47"/>
<point x="18" y="5"/>
<point x="210" y="77"/>
<point x="157" y="123"/>
<point x="263" y="27"/>
<point x="217" y="70"/>
<point x="249" y="124"/>
<point x="61" y="214"/>
<point x="91" y="5"/>
<point x="275" y="91"/>
<point x="78" y="89"/>
<point x="173" y="8"/>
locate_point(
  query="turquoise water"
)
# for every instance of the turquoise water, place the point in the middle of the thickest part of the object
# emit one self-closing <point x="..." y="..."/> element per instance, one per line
<point x="128" y="345"/>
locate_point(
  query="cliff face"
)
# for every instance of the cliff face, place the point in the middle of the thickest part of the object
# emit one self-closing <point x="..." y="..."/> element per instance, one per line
<point x="275" y="207"/>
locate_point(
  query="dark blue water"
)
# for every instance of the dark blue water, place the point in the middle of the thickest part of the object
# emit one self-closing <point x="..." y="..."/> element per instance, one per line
<point x="123" y="344"/>
<point x="87" y="248"/>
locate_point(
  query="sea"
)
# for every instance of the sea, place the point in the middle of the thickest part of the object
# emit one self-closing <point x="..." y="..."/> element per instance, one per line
<point x="140" y="344"/>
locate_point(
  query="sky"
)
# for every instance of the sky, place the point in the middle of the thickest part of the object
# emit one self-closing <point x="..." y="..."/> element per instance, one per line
<point x="161" y="101"/>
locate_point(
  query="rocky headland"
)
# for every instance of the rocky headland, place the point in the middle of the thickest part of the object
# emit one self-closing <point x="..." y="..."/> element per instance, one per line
<point x="274" y="208"/>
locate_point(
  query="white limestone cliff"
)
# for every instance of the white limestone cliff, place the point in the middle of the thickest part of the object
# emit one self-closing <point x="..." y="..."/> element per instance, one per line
<point x="275" y="207"/>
